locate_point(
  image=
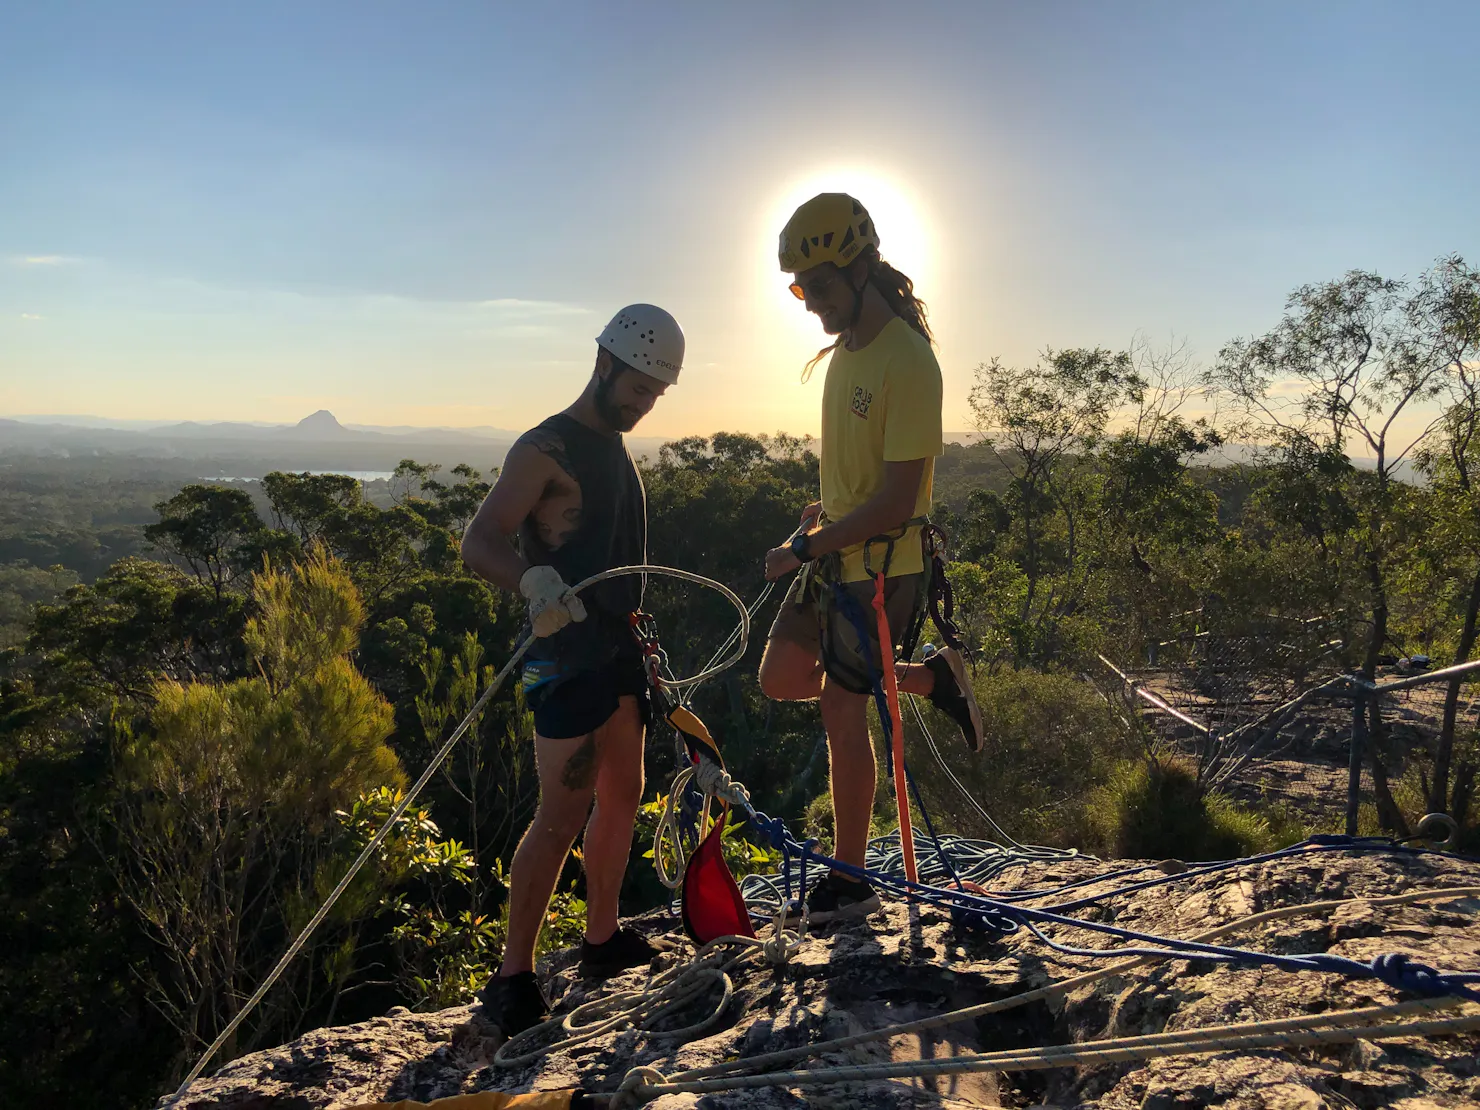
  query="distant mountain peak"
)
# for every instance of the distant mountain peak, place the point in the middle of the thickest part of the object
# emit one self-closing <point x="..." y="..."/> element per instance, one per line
<point x="321" y="425"/>
<point x="321" y="420"/>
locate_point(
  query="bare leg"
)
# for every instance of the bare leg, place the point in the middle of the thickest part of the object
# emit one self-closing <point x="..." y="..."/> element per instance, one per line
<point x="790" y="671"/>
<point x="914" y="678"/>
<point x="609" y="832"/>
<point x="844" y="715"/>
<point x="567" y="772"/>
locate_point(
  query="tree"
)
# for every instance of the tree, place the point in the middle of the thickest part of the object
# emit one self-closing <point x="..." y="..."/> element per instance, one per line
<point x="1449" y="305"/>
<point x="223" y="820"/>
<point x="141" y="620"/>
<point x="1042" y="421"/>
<point x="1356" y="365"/>
<point x="309" y="504"/>
<point x="214" y="531"/>
<point x="1350" y="367"/>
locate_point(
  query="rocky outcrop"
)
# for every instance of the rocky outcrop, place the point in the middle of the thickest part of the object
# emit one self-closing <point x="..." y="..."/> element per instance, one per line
<point x="909" y="961"/>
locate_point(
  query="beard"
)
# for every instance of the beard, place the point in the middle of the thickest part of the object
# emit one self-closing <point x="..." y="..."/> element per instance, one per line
<point x="611" y="413"/>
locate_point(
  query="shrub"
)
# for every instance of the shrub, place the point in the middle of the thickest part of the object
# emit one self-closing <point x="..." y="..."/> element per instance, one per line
<point x="1155" y="808"/>
<point x="1051" y="740"/>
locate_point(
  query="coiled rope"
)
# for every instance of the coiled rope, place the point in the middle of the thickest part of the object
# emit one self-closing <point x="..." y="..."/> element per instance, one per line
<point x="641" y="1083"/>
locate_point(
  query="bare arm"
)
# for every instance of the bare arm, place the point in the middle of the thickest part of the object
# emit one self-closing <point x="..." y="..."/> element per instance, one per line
<point x="884" y="512"/>
<point x="521" y="484"/>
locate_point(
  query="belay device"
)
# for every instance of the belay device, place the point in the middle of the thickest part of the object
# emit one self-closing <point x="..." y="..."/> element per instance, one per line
<point x="711" y="903"/>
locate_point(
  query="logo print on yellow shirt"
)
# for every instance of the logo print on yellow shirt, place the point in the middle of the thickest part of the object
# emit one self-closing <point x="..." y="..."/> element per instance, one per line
<point x="862" y="399"/>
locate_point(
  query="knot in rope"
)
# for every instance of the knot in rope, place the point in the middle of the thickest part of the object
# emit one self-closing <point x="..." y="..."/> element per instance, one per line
<point x="773" y="827"/>
<point x="713" y="779"/>
<point x="627" y="1095"/>
<point x="983" y="920"/>
<point x="1399" y="970"/>
<point x="783" y="944"/>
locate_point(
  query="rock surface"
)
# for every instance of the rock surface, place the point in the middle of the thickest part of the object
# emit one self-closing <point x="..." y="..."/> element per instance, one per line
<point x="907" y="962"/>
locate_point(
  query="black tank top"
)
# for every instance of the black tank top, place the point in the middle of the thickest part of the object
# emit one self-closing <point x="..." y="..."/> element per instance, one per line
<point x="612" y="533"/>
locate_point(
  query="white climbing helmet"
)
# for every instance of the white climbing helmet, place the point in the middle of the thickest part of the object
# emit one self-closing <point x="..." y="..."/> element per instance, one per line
<point x="646" y="338"/>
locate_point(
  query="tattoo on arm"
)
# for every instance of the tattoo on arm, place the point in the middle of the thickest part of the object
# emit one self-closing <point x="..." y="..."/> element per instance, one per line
<point x="553" y="536"/>
<point x="580" y="768"/>
<point x="548" y="443"/>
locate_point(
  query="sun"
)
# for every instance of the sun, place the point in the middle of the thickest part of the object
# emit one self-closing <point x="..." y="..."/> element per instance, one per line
<point x="904" y="239"/>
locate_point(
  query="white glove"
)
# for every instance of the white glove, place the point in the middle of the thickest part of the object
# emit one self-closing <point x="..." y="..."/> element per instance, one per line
<point x="552" y="604"/>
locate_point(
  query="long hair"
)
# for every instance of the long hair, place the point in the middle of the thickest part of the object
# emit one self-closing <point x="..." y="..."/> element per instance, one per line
<point x="898" y="292"/>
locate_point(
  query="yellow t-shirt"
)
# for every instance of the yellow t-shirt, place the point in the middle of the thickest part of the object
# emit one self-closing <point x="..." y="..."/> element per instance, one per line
<point x="880" y="404"/>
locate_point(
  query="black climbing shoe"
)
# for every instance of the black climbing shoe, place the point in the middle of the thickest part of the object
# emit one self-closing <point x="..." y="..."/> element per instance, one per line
<point x="514" y="1002"/>
<point x="953" y="695"/>
<point x="834" y="898"/>
<point x="624" y="949"/>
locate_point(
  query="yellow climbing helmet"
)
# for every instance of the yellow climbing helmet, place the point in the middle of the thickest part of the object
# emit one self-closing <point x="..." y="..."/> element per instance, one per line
<point x="831" y="227"/>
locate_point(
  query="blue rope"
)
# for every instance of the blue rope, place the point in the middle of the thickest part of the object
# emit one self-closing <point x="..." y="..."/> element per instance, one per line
<point x="1001" y="915"/>
<point x="1394" y="969"/>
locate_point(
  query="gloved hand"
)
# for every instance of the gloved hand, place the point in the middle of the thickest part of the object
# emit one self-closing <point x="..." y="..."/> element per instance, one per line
<point x="552" y="604"/>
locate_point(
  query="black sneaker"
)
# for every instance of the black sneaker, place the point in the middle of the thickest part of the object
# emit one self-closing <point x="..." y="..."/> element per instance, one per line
<point x="624" y="949"/>
<point x="514" y="1002"/>
<point x="953" y="695"/>
<point x="835" y="897"/>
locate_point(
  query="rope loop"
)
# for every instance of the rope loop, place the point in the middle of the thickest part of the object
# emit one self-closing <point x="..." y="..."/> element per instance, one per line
<point x="627" y="1096"/>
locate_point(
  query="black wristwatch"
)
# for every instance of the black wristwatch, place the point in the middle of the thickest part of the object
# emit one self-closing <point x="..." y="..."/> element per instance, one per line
<point x="799" y="547"/>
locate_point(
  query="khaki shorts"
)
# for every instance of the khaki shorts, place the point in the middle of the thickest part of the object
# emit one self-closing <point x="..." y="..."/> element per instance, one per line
<point x="826" y="630"/>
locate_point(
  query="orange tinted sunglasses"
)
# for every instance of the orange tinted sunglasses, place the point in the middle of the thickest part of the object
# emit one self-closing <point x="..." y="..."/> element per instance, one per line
<point x="816" y="287"/>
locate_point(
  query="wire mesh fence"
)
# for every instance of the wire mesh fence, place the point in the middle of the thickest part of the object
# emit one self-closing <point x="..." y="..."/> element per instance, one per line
<point x="1264" y="707"/>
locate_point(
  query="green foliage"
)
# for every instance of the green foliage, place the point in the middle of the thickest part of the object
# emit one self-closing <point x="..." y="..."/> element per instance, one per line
<point x="1050" y="742"/>
<point x="225" y="805"/>
<point x="742" y="855"/>
<point x="443" y="956"/>
<point x="22" y="588"/>
<point x="1154" y="808"/>
<point x="213" y="530"/>
<point x="140" y="621"/>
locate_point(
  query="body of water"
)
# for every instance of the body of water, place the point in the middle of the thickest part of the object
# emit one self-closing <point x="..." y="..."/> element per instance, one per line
<point x="358" y="475"/>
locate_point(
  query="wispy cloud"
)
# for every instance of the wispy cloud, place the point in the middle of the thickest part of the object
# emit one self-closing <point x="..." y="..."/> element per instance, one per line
<point x="519" y="306"/>
<point x="42" y="260"/>
<point x="31" y="316"/>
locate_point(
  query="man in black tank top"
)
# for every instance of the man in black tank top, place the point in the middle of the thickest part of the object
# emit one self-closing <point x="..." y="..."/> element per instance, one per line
<point x="572" y="495"/>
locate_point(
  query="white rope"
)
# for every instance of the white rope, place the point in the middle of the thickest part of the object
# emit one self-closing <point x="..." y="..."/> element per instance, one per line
<point x="1286" y="1033"/>
<point x="714" y="668"/>
<point x="666" y="837"/>
<point x="713" y="782"/>
<point x="666" y="994"/>
<point x="1064" y="986"/>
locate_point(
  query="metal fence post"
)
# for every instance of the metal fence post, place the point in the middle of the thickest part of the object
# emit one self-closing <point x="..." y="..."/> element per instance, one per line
<point x="1360" y="694"/>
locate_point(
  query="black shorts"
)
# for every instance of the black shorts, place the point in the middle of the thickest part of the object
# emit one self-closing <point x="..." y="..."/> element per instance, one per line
<point x="576" y="704"/>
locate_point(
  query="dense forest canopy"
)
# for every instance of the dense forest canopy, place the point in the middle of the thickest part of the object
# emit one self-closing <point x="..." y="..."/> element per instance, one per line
<point x="211" y="693"/>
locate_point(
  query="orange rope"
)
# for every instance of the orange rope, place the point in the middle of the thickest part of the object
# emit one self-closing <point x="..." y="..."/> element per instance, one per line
<point x="891" y="695"/>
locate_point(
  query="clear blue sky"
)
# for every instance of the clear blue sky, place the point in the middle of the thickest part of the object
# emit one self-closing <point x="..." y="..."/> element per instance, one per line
<point x="424" y="213"/>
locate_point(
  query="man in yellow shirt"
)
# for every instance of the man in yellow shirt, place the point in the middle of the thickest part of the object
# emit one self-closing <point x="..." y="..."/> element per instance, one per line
<point x="881" y="431"/>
